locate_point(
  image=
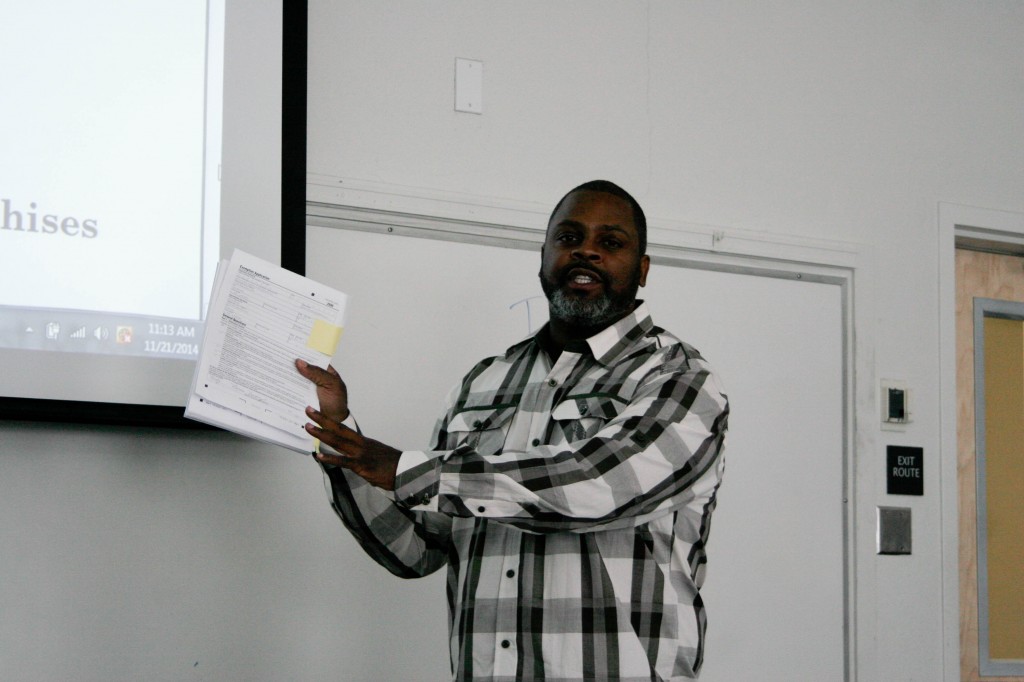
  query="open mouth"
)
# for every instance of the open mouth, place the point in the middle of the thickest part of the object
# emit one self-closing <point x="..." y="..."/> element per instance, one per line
<point x="583" y="278"/>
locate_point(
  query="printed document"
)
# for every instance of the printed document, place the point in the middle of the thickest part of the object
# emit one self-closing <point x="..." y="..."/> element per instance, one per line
<point x="261" y="318"/>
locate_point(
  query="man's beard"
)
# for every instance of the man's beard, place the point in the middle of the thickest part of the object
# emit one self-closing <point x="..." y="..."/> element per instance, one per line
<point x="586" y="312"/>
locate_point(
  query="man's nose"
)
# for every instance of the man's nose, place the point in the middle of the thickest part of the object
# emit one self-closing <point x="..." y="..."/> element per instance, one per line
<point x="586" y="251"/>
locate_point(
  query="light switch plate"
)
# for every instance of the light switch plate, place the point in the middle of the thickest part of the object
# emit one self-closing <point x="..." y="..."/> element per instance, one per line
<point x="469" y="86"/>
<point x="886" y="387"/>
<point x="894" y="530"/>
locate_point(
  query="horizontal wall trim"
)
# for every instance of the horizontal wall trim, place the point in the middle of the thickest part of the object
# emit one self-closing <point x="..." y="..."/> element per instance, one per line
<point x="368" y="205"/>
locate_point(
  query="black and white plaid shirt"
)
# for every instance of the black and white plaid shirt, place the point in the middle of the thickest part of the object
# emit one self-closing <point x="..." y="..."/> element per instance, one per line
<point x="572" y="504"/>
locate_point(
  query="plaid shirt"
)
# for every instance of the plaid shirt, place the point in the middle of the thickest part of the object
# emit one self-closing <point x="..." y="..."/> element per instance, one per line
<point x="571" y="503"/>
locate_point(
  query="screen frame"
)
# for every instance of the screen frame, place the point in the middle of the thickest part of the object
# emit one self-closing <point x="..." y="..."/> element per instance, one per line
<point x="292" y="240"/>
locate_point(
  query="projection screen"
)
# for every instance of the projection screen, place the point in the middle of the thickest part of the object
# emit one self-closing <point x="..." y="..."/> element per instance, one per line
<point x="142" y="143"/>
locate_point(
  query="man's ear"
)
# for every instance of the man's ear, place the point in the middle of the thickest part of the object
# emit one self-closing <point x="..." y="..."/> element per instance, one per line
<point x="645" y="265"/>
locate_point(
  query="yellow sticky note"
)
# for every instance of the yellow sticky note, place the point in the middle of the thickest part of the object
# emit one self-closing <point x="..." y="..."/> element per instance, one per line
<point x="323" y="337"/>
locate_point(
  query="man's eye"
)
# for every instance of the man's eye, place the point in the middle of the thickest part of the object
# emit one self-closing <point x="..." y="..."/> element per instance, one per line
<point x="566" y="238"/>
<point x="613" y="243"/>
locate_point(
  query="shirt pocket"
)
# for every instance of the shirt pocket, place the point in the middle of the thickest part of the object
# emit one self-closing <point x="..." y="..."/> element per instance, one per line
<point x="582" y="416"/>
<point x="481" y="428"/>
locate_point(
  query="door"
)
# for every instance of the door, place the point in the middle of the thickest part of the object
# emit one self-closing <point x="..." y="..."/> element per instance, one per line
<point x="423" y="310"/>
<point x="987" y="641"/>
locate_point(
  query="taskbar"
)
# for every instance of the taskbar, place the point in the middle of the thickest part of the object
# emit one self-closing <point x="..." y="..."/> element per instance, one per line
<point x="85" y="331"/>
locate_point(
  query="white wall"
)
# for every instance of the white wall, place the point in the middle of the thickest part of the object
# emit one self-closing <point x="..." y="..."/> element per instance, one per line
<point x="819" y="120"/>
<point x="157" y="555"/>
<point x="160" y="555"/>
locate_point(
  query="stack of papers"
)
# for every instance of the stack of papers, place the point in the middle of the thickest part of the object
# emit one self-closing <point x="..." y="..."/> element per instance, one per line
<point x="261" y="319"/>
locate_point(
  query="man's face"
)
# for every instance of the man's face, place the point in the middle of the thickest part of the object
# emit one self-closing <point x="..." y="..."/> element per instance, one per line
<point x="590" y="264"/>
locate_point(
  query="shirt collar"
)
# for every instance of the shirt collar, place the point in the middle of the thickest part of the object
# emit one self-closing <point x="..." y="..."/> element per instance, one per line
<point x="609" y="343"/>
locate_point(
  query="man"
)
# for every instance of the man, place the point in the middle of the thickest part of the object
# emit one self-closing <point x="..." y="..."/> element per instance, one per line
<point x="570" y="482"/>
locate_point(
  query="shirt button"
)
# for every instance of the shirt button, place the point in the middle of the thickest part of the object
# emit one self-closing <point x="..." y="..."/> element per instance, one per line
<point x="477" y="424"/>
<point x="510" y="573"/>
<point x="481" y="509"/>
<point x="425" y="500"/>
<point x="505" y="644"/>
<point x="536" y="442"/>
<point x="552" y="383"/>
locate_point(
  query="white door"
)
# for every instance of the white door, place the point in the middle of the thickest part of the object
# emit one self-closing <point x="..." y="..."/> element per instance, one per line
<point x="422" y="311"/>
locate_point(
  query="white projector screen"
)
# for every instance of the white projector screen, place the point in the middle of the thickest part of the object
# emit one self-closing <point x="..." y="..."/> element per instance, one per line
<point x="142" y="143"/>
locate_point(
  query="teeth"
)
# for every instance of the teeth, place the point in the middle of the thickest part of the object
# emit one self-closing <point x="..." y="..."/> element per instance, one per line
<point x="583" y="279"/>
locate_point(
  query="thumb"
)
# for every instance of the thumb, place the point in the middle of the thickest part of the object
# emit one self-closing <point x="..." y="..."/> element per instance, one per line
<point x="317" y="375"/>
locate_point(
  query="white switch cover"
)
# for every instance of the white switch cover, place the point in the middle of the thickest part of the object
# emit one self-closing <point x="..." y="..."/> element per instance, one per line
<point x="469" y="86"/>
<point x="889" y="422"/>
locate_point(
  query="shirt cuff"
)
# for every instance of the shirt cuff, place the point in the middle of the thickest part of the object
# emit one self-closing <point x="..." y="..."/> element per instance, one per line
<point x="410" y="459"/>
<point x="417" y="479"/>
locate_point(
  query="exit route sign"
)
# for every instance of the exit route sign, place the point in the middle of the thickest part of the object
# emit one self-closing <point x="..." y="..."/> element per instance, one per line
<point x="904" y="470"/>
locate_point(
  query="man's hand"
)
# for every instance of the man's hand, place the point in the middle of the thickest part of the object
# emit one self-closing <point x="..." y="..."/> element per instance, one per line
<point x="367" y="458"/>
<point x="330" y="389"/>
<point x="370" y="459"/>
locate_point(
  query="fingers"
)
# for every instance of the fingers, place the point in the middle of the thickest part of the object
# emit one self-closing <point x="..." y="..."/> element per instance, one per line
<point x="323" y="378"/>
<point x="315" y="374"/>
<point x="328" y="455"/>
<point x="339" y="445"/>
<point x="330" y="431"/>
<point x="325" y="424"/>
<point x="342" y="447"/>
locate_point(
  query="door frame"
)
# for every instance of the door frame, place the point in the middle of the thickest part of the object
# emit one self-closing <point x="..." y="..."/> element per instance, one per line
<point x="999" y="228"/>
<point x="348" y="203"/>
